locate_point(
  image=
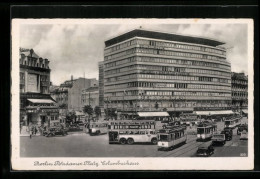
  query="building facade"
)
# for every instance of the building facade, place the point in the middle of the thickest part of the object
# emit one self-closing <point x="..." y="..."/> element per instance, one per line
<point x="155" y="71"/>
<point x="36" y="105"/>
<point x="69" y="93"/>
<point x="90" y="96"/>
<point x="239" y="87"/>
<point x="101" y="84"/>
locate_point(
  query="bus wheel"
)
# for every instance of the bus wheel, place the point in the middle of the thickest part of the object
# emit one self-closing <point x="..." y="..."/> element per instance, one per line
<point x="130" y="141"/>
<point x="154" y="141"/>
<point x="123" y="141"/>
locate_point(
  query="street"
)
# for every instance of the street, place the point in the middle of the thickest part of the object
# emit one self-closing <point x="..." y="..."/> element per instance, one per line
<point x="84" y="145"/>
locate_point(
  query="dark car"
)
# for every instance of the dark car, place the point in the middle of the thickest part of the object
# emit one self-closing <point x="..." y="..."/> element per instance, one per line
<point x="228" y="134"/>
<point x="56" y="131"/>
<point x="74" y="127"/>
<point x="241" y="128"/>
<point x="205" y="150"/>
<point x="229" y="129"/>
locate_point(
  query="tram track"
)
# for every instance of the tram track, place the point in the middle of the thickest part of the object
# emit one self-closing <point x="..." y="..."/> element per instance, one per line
<point x="166" y="153"/>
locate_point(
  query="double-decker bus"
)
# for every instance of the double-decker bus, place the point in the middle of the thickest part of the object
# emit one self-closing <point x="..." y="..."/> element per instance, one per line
<point x="233" y="122"/>
<point x="171" y="136"/>
<point x="96" y="128"/>
<point x="205" y="130"/>
<point x="131" y="132"/>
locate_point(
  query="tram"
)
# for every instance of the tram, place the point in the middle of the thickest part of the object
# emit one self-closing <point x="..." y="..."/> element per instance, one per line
<point x="205" y="130"/>
<point x="233" y="122"/>
<point x="171" y="136"/>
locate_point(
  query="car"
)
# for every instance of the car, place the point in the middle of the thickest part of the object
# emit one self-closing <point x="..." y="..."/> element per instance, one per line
<point x="74" y="127"/>
<point x="228" y="129"/>
<point x="244" y="135"/>
<point x="228" y="134"/>
<point x="205" y="150"/>
<point x="241" y="128"/>
<point x="55" y="131"/>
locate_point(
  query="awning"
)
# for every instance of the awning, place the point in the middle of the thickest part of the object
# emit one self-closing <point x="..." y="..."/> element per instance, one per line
<point x="42" y="101"/>
<point x="245" y="111"/>
<point x="153" y="114"/>
<point x="213" y="112"/>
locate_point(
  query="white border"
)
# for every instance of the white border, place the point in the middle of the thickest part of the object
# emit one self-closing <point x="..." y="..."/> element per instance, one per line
<point x="225" y="163"/>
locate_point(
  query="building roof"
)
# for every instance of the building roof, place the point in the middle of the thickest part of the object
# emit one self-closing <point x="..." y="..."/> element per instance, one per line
<point x="163" y="36"/>
<point x="28" y="52"/>
<point x="239" y="76"/>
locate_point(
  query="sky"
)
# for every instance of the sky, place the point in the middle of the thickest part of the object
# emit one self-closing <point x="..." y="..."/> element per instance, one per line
<point x="76" y="49"/>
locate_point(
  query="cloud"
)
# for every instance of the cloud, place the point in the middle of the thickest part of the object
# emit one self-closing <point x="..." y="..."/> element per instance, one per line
<point x="76" y="49"/>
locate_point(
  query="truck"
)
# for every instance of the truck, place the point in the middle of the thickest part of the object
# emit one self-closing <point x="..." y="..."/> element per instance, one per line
<point x="222" y="137"/>
<point x="218" y="138"/>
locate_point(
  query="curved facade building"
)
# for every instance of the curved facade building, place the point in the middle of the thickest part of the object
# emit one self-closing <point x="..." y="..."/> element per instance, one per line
<point x="155" y="71"/>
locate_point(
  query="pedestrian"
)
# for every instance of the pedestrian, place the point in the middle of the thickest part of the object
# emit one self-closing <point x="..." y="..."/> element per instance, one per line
<point x="31" y="131"/>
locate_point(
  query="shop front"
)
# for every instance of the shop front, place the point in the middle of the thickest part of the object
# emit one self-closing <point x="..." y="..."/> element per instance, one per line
<point x="40" y="112"/>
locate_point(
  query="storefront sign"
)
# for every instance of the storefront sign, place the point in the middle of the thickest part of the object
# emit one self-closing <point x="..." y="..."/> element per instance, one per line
<point x="50" y="110"/>
<point x="53" y="114"/>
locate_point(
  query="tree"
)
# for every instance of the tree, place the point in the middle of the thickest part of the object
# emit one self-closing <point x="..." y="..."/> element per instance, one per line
<point x="88" y="109"/>
<point x="97" y="111"/>
<point x="70" y="117"/>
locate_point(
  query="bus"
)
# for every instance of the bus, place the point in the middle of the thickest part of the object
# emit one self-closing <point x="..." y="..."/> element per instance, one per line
<point x="131" y="132"/>
<point x="189" y="119"/>
<point x="205" y="130"/>
<point x="233" y="122"/>
<point x="171" y="137"/>
<point x="97" y="128"/>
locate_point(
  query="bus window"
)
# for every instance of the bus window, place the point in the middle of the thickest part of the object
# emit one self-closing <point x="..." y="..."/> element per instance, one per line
<point x="131" y="132"/>
<point x="152" y="132"/>
<point x="136" y="132"/>
<point x="142" y="132"/>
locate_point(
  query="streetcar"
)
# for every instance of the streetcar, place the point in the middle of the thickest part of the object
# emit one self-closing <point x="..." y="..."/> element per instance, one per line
<point x="233" y="122"/>
<point x="97" y="128"/>
<point x="132" y="132"/>
<point x="205" y="130"/>
<point x="171" y="136"/>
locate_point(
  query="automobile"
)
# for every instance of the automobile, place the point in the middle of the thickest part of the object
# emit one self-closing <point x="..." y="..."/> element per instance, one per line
<point x="55" y="131"/>
<point x="229" y="129"/>
<point x="241" y="128"/>
<point x="74" y="127"/>
<point x="228" y="134"/>
<point x="244" y="135"/>
<point x="205" y="150"/>
<point x="80" y="124"/>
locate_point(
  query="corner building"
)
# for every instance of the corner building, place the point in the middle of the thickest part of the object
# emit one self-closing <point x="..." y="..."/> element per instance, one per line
<point x="155" y="71"/>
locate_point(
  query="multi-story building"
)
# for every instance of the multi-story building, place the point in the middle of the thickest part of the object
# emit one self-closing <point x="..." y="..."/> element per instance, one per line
<point x="155" y="71"/>
<point x="239" y="88"/>
<point x="36" y="105"/>
<point x="90" y="96"/>
<point x="101" y="84"/>
<point x="68" y="95"/>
